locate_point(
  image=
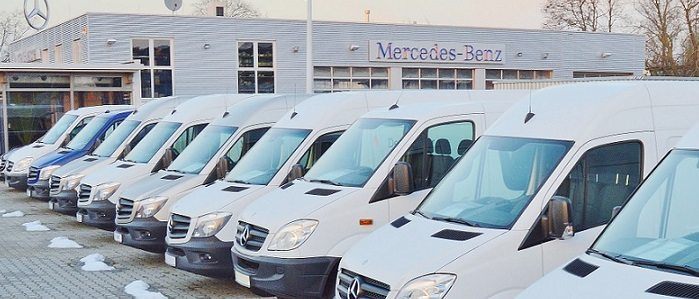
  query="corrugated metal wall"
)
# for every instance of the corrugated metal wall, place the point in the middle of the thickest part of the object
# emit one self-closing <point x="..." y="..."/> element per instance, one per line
<point x="63" y="34"/>
<point x="200" y="71"/>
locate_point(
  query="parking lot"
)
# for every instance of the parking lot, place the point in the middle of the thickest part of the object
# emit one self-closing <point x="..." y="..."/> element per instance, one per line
<point x="29" y="269"/>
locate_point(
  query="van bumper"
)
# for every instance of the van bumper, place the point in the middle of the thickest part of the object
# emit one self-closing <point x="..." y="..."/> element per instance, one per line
<point x="204" y="256"/>
<point x="16" y="181"/>
<point x="144" y="233"/>
<point x="99" y="213"/>
<point x="40" y="189"/>
<point x="289" y="277"/>
<point x="65" y="202"/>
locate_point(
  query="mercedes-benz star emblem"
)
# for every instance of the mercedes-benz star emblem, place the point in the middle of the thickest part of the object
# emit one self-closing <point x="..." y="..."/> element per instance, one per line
<point x="37" y="13"/>
<point x="354" y="289"/>
<point x="245" y="235"/>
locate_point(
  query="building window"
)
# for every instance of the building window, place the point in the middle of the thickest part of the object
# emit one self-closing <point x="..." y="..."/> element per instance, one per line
<point x="156" y="56"/>
<point x="58" y="54"/>
<point x="76" y="51"/>
<point x="341" y="78"/>
<point x="599" y="74"/>
<point x="494" y="75"/>
<point x="45" y="56"/>
<point x="433" y="78"/>
<point x="256" y="67"/>
<point x="219" y="11"/>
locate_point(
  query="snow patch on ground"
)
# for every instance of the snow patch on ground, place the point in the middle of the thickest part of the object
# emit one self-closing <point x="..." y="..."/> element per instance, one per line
<point x="2" y="211"/>
<point x="139" y="289"/>
<point x="13" y="214"/>
<point x="35" y="226"/>
<point x="63" y="242"/>
<point x="95" y="262"/>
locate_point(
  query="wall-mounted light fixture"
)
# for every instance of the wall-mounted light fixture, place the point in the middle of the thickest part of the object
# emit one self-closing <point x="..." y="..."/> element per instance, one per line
<point x="353" y="48"/>
<point x="111" y="42"/>
<point x="520" y="54"/>
<point x="295" y="49"/>
<point x="207" y="46"/>
<point x="606" y="55"/>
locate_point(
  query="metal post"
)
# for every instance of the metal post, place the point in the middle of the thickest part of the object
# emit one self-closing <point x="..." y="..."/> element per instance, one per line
<point x="309" y="46"/>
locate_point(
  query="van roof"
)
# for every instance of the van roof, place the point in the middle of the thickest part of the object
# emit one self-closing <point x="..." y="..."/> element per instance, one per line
<point x="98" y="109"/>
<point x="586" y="111"/>
<point x="157" y="108"/>
<point x="477" y="101"/>
<point x="207" y="107"/>
<point x="258" y="109"/>
<point x="338" y="109"/>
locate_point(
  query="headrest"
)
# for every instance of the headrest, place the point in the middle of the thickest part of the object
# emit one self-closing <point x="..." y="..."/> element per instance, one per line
<point x="429" y="146"/>
<point x="442" y="147"/>
<point x="463" y="146"/>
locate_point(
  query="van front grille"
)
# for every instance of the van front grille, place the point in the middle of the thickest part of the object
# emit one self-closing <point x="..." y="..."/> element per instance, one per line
<point x="84" y="193"/>
<point x="33" y="174"/>
<point x="252" y="239"/>
<point x="10" y="164"/>
<point x="178" y="226"/>
<point x="368" y="287"/>
<point x="55" y="184"/>
<point x="124" y="209"/>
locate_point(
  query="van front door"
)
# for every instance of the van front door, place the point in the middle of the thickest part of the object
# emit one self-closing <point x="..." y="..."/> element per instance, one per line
<point x="605" y="173"/>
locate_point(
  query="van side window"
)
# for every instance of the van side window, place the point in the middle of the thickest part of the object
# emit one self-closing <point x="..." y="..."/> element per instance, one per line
<point x="186" y="138"/>
<point x="79" y="126"/>
<point x="243" y="145"/>
<point x="110" y="130"/>
<point x="317" y="149"/>
<point x="136" y="139"/>
<point x="435" y="151"/>
<point x="603" y="178"/>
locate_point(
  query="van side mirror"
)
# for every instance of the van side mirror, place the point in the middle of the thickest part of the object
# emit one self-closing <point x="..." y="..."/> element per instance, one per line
<point x="126" y="151"/>
<point x="615" y="211"/>
<point x="167" y="158"/>
<point x="95" y="145"/>
<point x="66" y="141"/>
<point x="222" y="167"/>
<point x="296" y="172"/>
<point x="402" y="178"/>
<point x="558" y="218"/>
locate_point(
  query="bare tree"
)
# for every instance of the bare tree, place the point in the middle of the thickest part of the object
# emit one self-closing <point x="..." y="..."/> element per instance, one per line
<point x="582" y="15"/>
<point x="12" y="28"/>
<point x="231" y="8"/>
<point x="690" y="58"/>
<point x="661" y="23"/>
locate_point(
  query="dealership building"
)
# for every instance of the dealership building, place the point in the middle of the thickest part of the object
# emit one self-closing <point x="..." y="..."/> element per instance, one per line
<point x="150" y="56"/>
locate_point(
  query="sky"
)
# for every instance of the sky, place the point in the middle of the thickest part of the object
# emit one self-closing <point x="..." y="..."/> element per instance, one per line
<point x="492" y="13"/>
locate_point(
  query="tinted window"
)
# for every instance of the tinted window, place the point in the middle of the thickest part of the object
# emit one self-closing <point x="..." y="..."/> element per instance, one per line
<point x="115" y="139"/>
<point x="88" y="134"/>
<point x="317" y="150"/>
<point x="58" y="129"/>
<point x="186" y="138"/>
<point x="202" y="149"/>
<point x="243" y="145"/>
<point x="144" y="151"/>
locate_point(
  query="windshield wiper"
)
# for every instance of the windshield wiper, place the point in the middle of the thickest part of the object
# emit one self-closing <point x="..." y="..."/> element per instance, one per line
<point x="457" y="221"/>
<point x="328" y="182"/>
<point x="416" y="212"/>
<point x="684" y="269"/>
<point x="176" y="171"/>
<point x="240" y="182"/>
<point x="614" y="258"/>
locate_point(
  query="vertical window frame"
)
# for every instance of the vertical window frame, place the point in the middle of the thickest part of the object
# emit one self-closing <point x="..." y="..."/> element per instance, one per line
<point x="256" y="69"/>
<point x="152" y="67"/>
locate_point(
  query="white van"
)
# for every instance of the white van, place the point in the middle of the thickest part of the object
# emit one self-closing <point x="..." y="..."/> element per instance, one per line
<point x="145" y="206"/>
<point x="99" y="191"/>
<point x="291" y="147"/>
<point x="18" y="161"/>
<point x="65" y="180"/>
<point x="290" y="241"/>
<point x="650" y="249"/>
<point x="530" y="194"/>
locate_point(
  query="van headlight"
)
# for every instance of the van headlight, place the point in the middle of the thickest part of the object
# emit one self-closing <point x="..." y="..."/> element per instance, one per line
<point x="106" y="190"/>
<point x="292" y="235"/>
<point x="22" y="165"/>
<point x="210" y="224"/>
<point x="45" y="173"/>
<point x="150" y="206"/>
<point x="432" y="286"/>
<point x="72" y="182"/>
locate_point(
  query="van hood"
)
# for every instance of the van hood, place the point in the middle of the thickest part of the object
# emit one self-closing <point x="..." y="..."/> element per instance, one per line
<point x="219" y="196"/>
<point x="281" y="206"/>
<point x="604" y="282"/>
<point x="58" y="157"/>
<point x="396" y="255"/>
<point x="119" y="171"/>
<point x="161" y="183"/>
<point x="82" y="165"/>
<point x="34" y="150"/>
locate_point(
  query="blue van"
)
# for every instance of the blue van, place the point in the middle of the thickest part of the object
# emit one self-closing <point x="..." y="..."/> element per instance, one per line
<point x="83" y="143"/>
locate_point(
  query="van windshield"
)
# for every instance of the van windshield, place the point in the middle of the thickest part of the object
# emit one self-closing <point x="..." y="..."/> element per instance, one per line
<point x="658" y="228"/>
<point x="203" y="148"/>
<point x="114" y="140"/>
<point x="88" y="133"/>
<point x="263" y="161"/>
<point x="154" y="140"/>
<point x="494" y="181"/>
<point x="358" y="152"/>
<point x="58" y="129"/>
